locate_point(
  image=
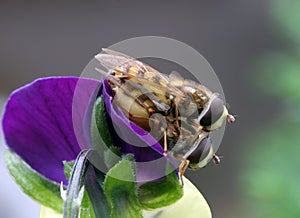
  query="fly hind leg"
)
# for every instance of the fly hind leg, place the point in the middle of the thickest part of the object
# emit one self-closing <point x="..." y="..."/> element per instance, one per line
<point x="159" y="126"/>
<point x="182" y="168"/>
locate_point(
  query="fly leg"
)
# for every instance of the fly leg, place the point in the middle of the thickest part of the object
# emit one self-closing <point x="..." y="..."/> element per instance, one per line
<point x="182" y="168"/>
<point x="165" y="143"/>
<point x="176" y="114"/>
<point x="158" y="125"/>
<point x="158" y="129"/>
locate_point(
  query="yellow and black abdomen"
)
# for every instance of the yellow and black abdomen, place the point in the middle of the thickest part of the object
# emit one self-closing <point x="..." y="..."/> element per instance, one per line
<point x="138" y="103"/>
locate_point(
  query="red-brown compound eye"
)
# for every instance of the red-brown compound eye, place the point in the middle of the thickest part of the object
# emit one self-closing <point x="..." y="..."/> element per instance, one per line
<point x="214" y="112"/>
<point x="201" y="152"/>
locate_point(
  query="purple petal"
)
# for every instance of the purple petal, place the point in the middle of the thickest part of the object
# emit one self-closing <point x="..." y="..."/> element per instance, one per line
<point x="38" y="122"/>
<point x="148" y="153"/>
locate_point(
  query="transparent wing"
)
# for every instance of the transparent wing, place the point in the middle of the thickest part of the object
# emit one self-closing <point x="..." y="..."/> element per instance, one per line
<point x="176" y="79"/>
<point x="137" y="71"/>
<point x="121" y="62"/>
<point x="111" y="62"/>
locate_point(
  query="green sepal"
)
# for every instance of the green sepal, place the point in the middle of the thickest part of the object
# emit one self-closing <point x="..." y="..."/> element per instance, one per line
<point x="160" y="193"/>
<point x="121" y="191"/>
<point x="112" y="156"/>
<point x="94" y="186"/>
<point x="86" y="210"/>
<point x="68" y="166"/>
<point x="99" y="128"/>
<point x="101" y="138"/>
<point x="34" y="184"/>
<point x="81" y="173"/>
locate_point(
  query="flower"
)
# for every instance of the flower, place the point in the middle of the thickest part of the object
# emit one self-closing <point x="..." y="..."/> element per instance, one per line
<point x="50" y="121"/>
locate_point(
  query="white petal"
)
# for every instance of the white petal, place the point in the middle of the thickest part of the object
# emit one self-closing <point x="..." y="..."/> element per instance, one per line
<point x="191" y="205"/>
<point x="46" y="212"/>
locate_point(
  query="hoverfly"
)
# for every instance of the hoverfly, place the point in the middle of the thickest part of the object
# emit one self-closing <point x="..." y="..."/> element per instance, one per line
<point x="178" y="112"/>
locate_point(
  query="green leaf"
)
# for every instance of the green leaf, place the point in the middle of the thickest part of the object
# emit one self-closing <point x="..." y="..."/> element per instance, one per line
<point x="33" y="184"/>
<point x="120" y="188"/>
<point x="160" y="193"/>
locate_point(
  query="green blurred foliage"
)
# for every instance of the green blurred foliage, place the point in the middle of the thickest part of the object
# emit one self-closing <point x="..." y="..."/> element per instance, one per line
<point x="280" y="76"/>
<point x="286" y="15"/>
<point x="271" y="180"/>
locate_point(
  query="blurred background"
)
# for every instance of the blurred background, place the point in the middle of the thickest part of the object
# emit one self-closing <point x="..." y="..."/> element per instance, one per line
<point x="253" y="46"/>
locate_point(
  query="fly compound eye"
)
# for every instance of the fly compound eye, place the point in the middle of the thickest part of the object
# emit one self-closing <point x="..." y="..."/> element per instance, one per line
<point x="213" y="113"/>
<point x="200" y="153"/>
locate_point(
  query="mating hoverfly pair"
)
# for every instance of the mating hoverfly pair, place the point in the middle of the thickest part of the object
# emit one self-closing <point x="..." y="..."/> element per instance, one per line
<point x="179" y="113"/>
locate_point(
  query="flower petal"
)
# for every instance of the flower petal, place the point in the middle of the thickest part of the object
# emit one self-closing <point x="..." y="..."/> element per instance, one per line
<point x="38" y="122"/>
<point x="192" y="205"/>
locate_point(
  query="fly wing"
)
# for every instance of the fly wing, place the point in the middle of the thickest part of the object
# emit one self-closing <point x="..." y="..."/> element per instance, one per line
<point x="176" y="79"/>
<point x="137" y="71"/>
<point x="121" y="62"/>
<point x="111" y="62"/>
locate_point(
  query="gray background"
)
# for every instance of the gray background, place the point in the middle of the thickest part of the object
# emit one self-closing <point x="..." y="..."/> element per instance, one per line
<point x="40" y="39"/>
